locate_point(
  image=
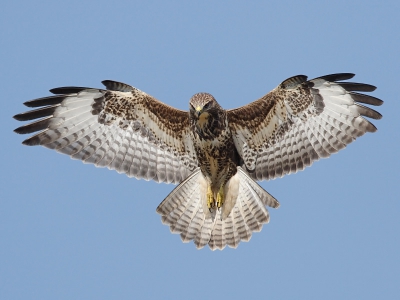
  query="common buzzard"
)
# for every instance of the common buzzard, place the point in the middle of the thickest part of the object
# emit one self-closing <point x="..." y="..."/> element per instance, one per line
<point x="215" y="155"/>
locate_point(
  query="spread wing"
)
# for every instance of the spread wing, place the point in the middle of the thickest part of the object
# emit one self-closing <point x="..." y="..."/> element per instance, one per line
<point x="121" y="128"/>
<point x="300" y="122"/>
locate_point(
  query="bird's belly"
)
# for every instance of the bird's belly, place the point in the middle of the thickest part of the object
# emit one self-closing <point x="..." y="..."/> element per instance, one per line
<point x="216" y="159"/>
<point x="215" y="168"/>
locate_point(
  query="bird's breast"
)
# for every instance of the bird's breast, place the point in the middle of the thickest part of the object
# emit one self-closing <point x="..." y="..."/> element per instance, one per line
<point x="203" y="120"/>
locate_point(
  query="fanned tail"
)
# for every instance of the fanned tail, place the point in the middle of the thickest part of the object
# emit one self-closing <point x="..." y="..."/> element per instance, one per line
<point x="182" y="210"/>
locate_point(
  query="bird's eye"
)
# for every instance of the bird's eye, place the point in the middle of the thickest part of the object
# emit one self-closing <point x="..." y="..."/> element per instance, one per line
<point x="206" y="105"/>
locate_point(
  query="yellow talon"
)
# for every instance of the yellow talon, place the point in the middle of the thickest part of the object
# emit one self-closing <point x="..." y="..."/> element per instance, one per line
<point x="210" y="198"/>
<point x="220" y="197"/>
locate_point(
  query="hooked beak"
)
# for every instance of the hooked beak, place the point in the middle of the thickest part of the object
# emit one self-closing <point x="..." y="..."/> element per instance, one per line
<point x="198" y="112"/>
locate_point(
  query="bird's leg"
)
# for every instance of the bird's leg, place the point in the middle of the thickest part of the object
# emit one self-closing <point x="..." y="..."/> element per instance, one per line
<point x="210" y="198"/>
<point x="220" y="197"/>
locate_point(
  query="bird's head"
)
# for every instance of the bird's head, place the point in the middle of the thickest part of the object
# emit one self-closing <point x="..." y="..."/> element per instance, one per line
<point x="202" y="106"/>
<point x="204" y="112"/>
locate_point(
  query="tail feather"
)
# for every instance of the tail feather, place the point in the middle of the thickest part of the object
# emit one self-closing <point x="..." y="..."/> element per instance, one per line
<point x="231" y="228"/>
<point x="249" y="217"/>
<point x="242" y="229"/>
<point x="192" y="222"/>
<point x="195" y="225"/>
<point x="217" y="240"/>
<point x="183" y="211"/>
<point x="171" y="211"/>
<point x="197" y="217"/>
<point x="203" y="236"/>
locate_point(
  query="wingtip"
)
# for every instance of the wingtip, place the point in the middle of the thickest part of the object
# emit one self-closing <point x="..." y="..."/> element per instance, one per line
<point x="64" y="90"/>
<point x="371" y="128"/>
<point x="371" y="88"/>
<point x="18" y="118"/>
<point x="357" y="87"/>
<point x="56" y="91"/>
<point x="27" y="103"/>
<point x="336" y="77"/>
<point x="18" y="130"/>
<point x="30" y="142"/>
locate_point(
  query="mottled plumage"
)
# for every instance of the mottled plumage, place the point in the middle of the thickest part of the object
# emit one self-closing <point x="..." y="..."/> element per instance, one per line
<point x="212" y="140"/>
<point x="214" y="154"/>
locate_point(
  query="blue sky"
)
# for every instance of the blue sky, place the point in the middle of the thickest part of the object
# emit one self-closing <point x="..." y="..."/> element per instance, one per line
<point x="73" y="231"/>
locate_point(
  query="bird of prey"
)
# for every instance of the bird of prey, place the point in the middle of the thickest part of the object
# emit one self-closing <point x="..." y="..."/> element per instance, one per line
<point x="214" y="155"/>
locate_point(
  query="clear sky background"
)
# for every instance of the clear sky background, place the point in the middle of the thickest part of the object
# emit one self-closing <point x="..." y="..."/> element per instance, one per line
<point x="73" y="231"/>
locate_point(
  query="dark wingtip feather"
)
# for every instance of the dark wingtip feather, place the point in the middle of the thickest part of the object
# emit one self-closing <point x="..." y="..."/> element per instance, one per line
<point x="366" y="99"/>
<point x="35" y="114"/>
<point x="52" y="100"/>
<point x="368" y="112"/>
<point x="68" y="90"/>
<point x="32" y="141"/>
<point x="18" y="118"/>
<point x="371" y="127"/>
<point x="337" y="77"/>
<point x="32" y="127"/>
<point x="358" y="87"/>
